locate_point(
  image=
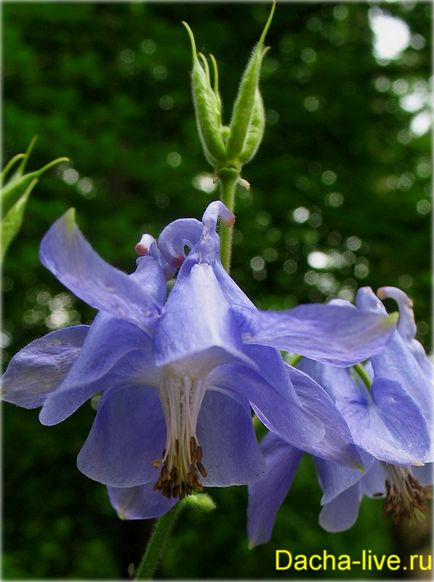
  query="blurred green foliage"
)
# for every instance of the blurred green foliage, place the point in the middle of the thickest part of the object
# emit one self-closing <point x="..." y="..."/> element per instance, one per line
<point x="340" y="172"/>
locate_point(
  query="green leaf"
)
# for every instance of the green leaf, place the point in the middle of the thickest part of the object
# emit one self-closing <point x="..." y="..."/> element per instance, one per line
<point x="10" y="165"/>
<point x="15" y="193"/>
<point x="14" y="189"/>
<point x="13" y="220"/>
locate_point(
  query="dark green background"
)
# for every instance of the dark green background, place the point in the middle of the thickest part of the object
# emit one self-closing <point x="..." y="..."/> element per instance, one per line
<point x="108" y="86"/>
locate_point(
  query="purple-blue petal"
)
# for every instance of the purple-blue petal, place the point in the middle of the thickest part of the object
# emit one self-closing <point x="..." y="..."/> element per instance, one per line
<point x="334" y="478"/>
<point x="214" y="211"/>
<point x="337" y="382"/>
<point x="424" y="474"/>
<point x="406" y="325"/>
<point x="279" y="410"/>
<point x="128" y="434"/>
<point x="149" y="274"/>
<point x="404" y="359"/>
<point x="108" y="341"/>
<point x="373" y="483"/>
<point x="140" y="502"/>
<point x="37" y="370"/>
<point x="332" y="334"/>
<point x="398" y="364"/>
<point x="269" y="364"/>
<point x="197" y="323"/>
<point x="387" y="423"/>
<point x="337" y="442"/>
<point x="67" y="254"/>
<point x="234" y="294"/>
<point x="231" y="454"/>
<point x="304" y="416"/>
<point x="176" y="236"/>
<point x="341" y="513"/>
<point x="267" y="494"/>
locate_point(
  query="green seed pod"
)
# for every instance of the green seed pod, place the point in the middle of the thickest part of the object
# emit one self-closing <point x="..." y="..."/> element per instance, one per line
<point x="255" y="131"/>
<point x="207" y="106"/>
<point x="245" y="101"/>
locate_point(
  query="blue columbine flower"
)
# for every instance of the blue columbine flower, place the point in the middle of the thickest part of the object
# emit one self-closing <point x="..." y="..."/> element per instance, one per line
<point x="177" y="374"/>
<point x="390" y="423"/>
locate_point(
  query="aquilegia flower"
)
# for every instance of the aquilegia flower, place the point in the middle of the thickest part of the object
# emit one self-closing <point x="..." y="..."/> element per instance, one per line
<point x="177" y="374"/>
<point x="390" y="423"/>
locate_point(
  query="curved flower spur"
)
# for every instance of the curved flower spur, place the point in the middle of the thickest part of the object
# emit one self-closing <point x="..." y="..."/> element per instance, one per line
<point x="389" y="415"/>
<point x="177" y="374"/>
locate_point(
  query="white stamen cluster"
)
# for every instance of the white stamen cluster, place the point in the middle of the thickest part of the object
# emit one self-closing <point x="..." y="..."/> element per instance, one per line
<point x="181" y="463"/>
<point x="405" y="496"/>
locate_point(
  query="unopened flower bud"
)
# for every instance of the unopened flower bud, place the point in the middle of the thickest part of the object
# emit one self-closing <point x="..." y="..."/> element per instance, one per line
<point x="202" y="501"/>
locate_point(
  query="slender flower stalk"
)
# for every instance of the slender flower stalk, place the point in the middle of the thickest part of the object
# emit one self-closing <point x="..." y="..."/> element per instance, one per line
<point x="363" y="375"/>
<point x="157" y="543"/>
<point x="162" y="531"/>
<point x="228" y="179"/>
<point x="228" y="147"/>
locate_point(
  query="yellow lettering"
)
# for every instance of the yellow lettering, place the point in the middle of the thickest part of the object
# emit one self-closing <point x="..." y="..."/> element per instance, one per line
<point x="344" y="562"/>
<point x="379" y="563"/>
<point x="412" y="559"/>
<point x="393" y="562"/>
<point x="325" y="557"/>
<point x="428" y="566"/>
<point x="280" y="553"/>
<point x="300" y="562"/>
<point x="312" y="562"/>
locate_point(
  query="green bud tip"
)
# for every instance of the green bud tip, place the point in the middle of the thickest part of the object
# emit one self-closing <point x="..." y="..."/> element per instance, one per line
<point x="22" y="166"/>
<point x="50" y="165"/>
<point x="31" y="144"/>
<point x="265" y="51"/>
<point x="70" y="219"/>
<point x="267" y="24"/>
<point x="216" y="73"/>
<point x="202" y="501"/>
<point x="204" y="62"/>
<point x="191" y="35"/>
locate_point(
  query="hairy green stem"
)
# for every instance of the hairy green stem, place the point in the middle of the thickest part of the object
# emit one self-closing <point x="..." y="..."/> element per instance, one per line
<point x="228" y="179"/>
<point x="363" y="374"/>
<point x="157" y="543"/>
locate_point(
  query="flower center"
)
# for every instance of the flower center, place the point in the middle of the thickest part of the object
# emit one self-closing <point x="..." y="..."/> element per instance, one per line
<point x="181" y="461"/>
<point x="405" y="496"/>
